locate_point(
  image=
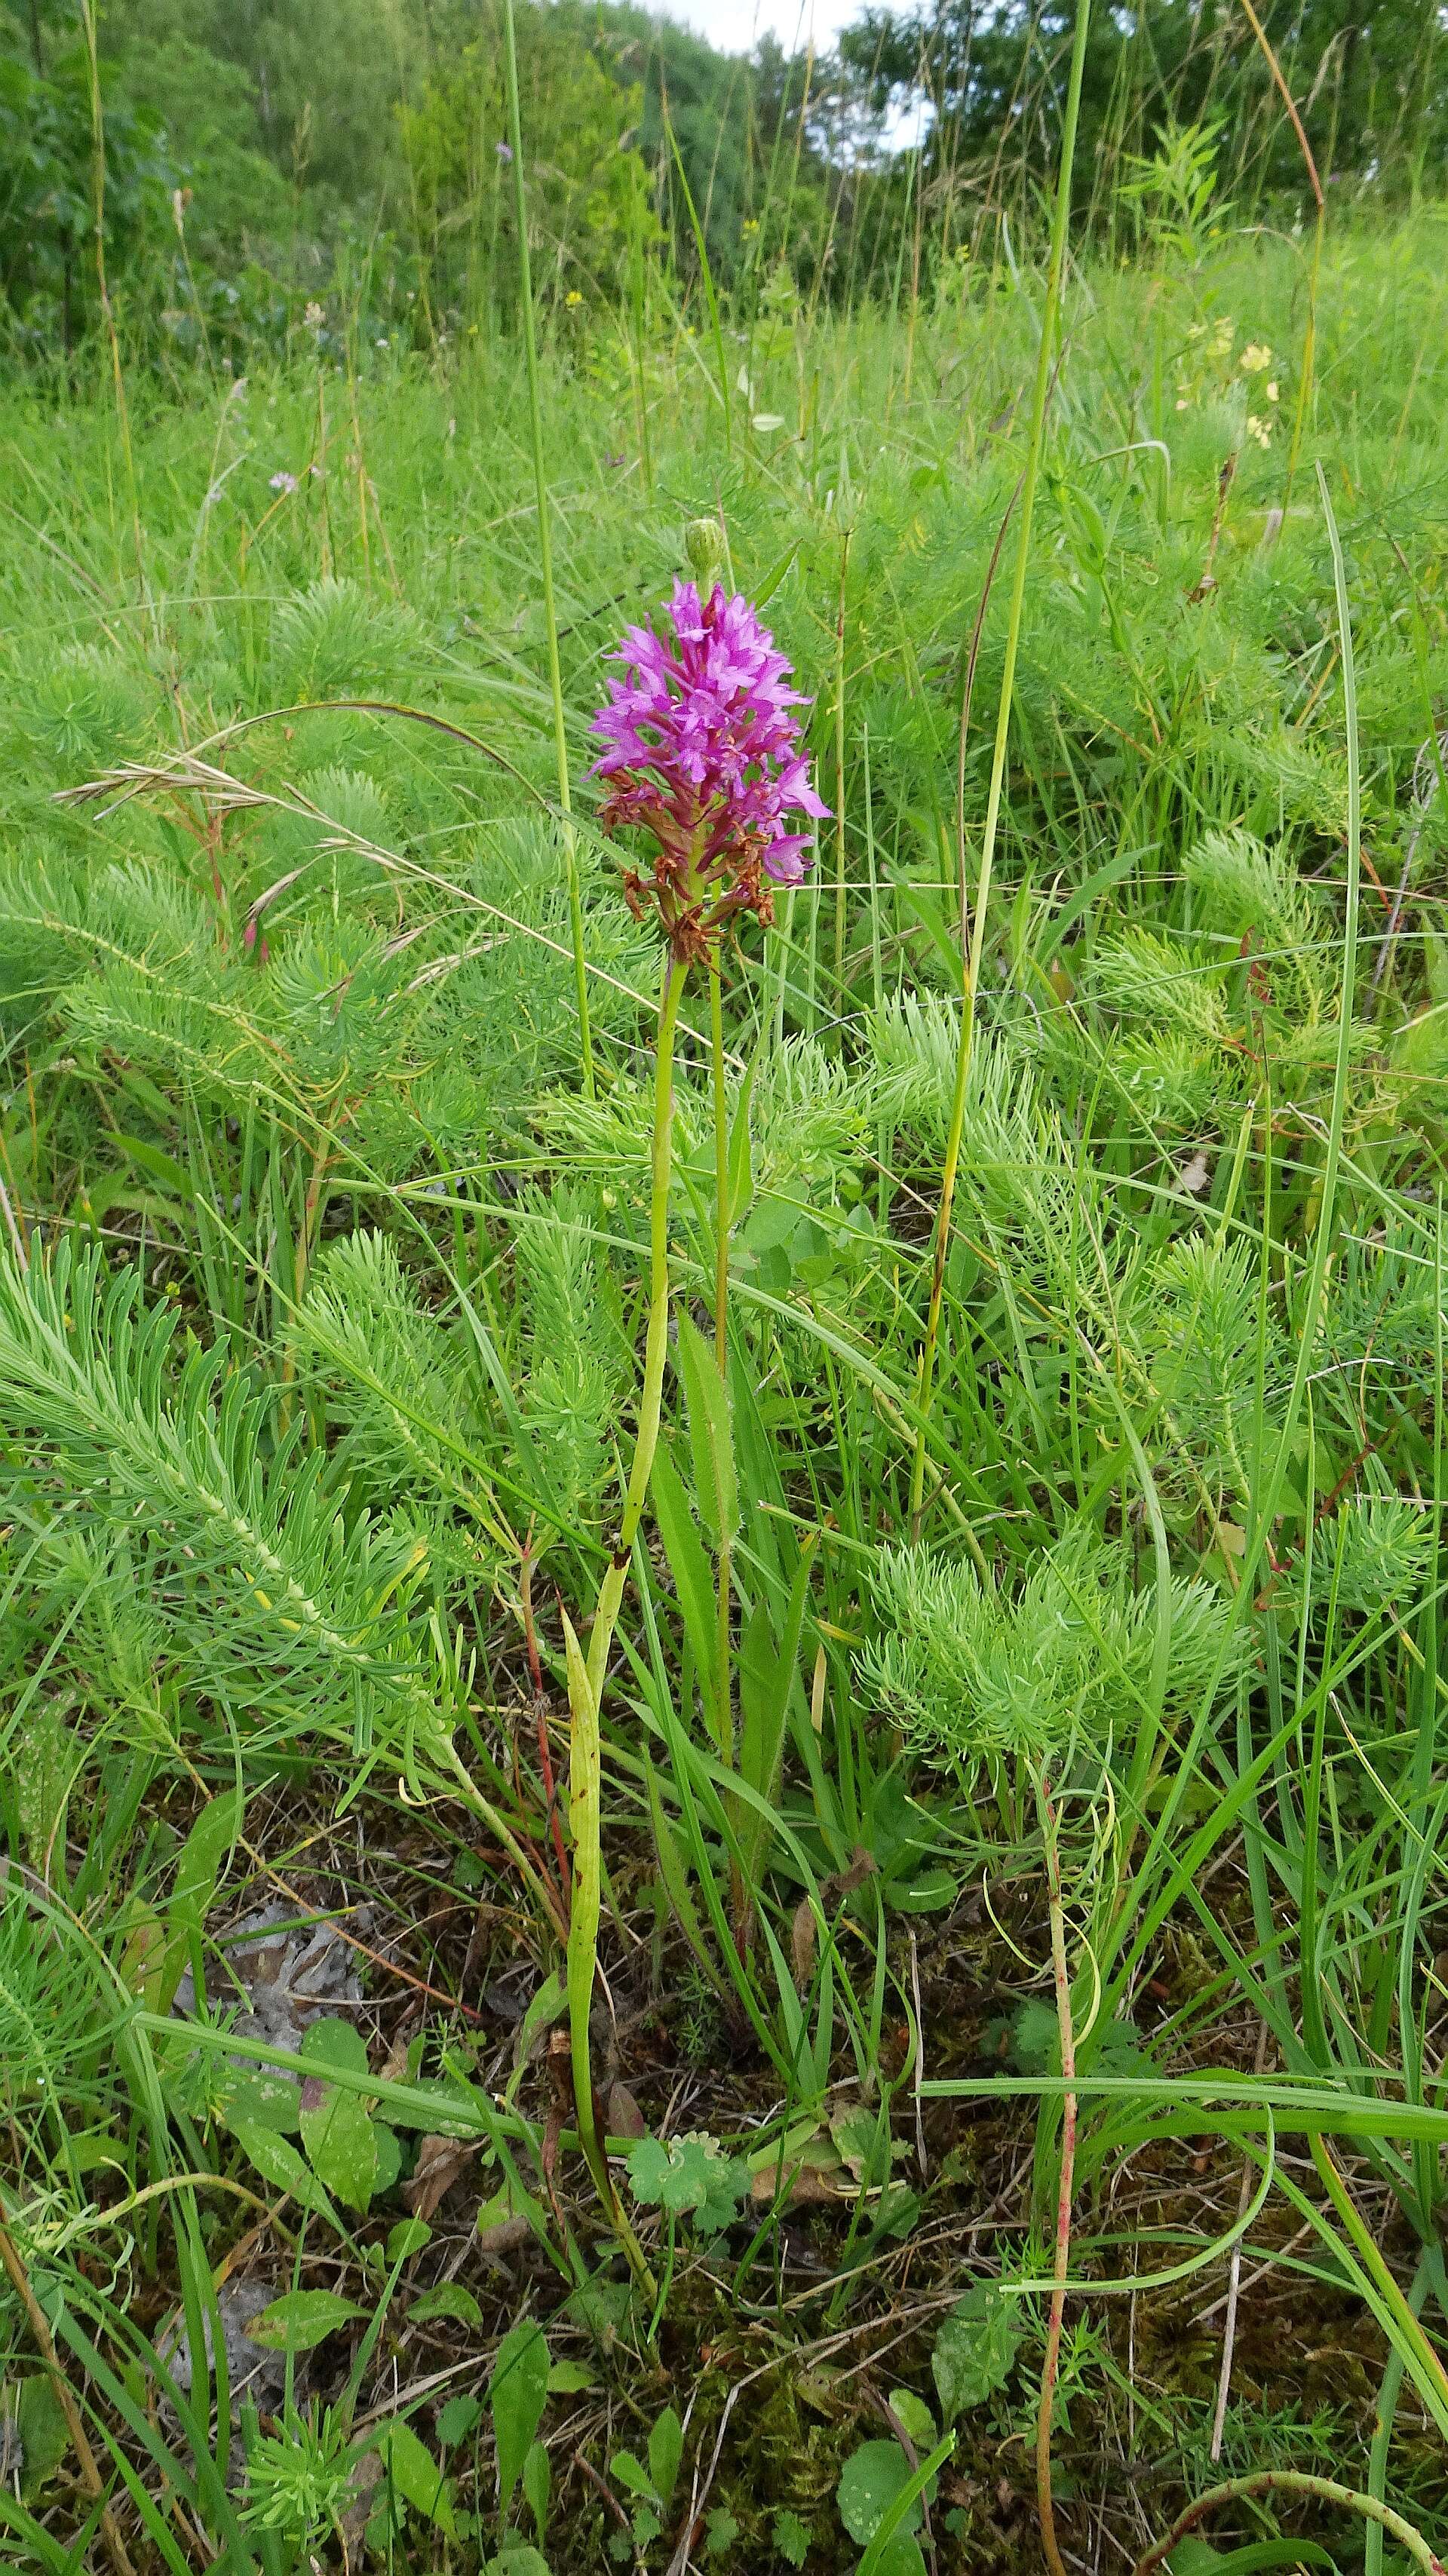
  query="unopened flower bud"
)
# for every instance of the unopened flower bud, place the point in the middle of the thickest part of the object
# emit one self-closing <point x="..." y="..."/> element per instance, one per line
<point x="704" y="546"/>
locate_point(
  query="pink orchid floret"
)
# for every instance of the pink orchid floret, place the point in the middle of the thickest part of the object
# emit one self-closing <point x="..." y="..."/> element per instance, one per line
<point x="703" y="751"/>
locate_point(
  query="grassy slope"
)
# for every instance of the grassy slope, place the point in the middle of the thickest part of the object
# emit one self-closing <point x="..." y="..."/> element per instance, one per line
<point x="355" y="1168"/>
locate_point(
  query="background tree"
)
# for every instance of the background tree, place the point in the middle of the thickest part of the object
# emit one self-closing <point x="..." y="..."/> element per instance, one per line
<point x="48" y="276"/>
<point x="349" y="151"/>
<point x="1368" y="75"/>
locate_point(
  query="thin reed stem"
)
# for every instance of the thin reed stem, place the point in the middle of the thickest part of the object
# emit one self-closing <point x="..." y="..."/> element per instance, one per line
<point x="1051" y="2366"/>
<point x="545" y="552"/>
<point x="585" y="1817"/>
<point x="1059" y="230"/>
<point x="1308" y="369"/>
<point x="1309" y="333"/>
<point x="98" y="209"/>
<point x="840" y="889"/>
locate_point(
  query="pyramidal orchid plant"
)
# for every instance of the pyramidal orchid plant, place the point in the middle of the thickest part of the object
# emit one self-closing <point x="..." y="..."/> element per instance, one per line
<point x="703" y="758"/>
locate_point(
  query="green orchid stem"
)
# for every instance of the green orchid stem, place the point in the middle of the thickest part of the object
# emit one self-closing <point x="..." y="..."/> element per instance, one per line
<point x="586" y="1681"/>
<point x="585" y="1813"/>
<point x="721" y="1321"/>
<point x="656" y="1344"/>
<point x="740" y="1905"/>
<point x="1296" y="2482"/>
<point x="721" y="1166"/>
<point x="1051" y="2366"/>
<point x="545" y="551"/>
<point x="925" y="1375"/>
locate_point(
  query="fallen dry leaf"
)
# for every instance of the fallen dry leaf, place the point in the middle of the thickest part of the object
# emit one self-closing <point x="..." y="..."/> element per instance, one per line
<point x="439" y="2163"/>
<point x="803" y="1928"/>
<point x="503" y="2235"/>
<point x="352" y="2529"/>
<point x="255" y="2374"/>
<point x="818" y="2180"/>
<point x="802" y="1944"/>
<point x="625" y="2119"/>
<point x="394" y="2068"/>
<point x="282" y="1974"/>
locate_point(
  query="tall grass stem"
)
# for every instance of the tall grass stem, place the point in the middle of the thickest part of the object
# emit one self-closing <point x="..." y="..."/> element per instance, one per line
<point x="1059" y="231"/>
<point x="1308" y="367"/>
<point x="98" y="211"/>
<point x="1051" y="2365"/>
<point x="545" y="550"/>
<point x="840" y="885"/>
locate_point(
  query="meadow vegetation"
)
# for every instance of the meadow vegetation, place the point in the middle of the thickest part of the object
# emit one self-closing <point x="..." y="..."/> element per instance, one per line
<point x="919" y="2045"/>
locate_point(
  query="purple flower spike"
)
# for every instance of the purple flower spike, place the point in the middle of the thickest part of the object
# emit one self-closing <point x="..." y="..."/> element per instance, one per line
<point x="702" y="749"/>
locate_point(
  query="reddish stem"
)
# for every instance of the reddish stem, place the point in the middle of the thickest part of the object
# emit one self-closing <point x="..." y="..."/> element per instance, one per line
<point x="1051" y="2366"/>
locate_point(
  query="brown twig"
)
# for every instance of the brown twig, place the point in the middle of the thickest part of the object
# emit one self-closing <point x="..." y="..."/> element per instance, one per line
<point x="610" y="2499"/>
<point x="1234" y="2287"/>
<point x="91" y="2478"/>
<point x="1309" y="336"/>
<point x="605" y="2490"/>
<point x="1423" y="798"/>
<point x="913" y="2457"/>
<point x="12" y="1227"/>
<point x="390" y="1967"/>
<point x="1389" y="939"/>
<point x="1225" y="478"/>
<point x="1288" y="101"/>
<point x="699" y="2496"/>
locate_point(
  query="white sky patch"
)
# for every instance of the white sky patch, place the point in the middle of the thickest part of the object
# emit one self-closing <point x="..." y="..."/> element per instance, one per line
<point x="737" y="25"/>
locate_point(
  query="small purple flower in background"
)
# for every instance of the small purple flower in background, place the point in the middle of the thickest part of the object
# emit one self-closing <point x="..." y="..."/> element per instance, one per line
<point x="703" y="751"/>
<point x="282" y="482"/>
<point x="504" y="151"/>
